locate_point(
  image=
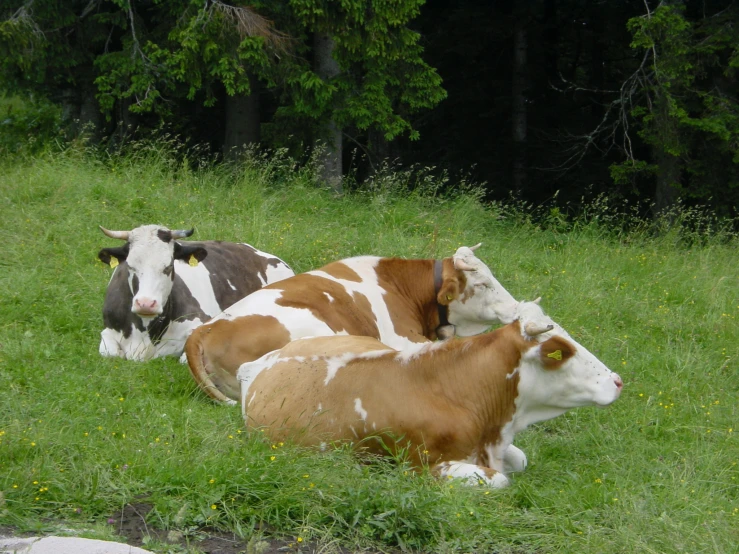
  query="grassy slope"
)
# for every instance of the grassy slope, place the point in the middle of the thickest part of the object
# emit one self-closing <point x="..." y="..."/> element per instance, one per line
<point x="81" y="435"/>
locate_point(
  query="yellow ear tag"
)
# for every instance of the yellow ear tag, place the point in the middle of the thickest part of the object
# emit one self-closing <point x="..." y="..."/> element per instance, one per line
<point x="113" y="262"/>
<point x="449" y="297"/>
<point x="557" y="355"/>
<point x="193" y="260"/>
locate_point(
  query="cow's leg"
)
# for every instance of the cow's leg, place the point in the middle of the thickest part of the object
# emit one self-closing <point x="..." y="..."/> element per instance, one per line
<point x="472" y="474"/>
<point x="514" y="460"/>
<point x="110" y="343"/>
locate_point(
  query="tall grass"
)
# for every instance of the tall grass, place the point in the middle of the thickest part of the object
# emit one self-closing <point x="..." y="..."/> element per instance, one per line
<point x="81" y="436"/>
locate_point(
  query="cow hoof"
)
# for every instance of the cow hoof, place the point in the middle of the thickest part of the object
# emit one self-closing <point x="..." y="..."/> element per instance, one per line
<point x="514" y="460"/>
<point x="472" y="474"/>
<point x="498" y="481"/>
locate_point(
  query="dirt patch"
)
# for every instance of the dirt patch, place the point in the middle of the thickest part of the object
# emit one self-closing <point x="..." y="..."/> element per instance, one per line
<point x="131" y="524"/>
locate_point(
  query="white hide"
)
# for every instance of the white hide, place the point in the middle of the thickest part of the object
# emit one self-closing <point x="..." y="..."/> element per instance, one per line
<point x="299" y="322"/>
<point x="110" y="343"/>
<point x="335" y="363"/>
<point x="138" y="345"/>
<point x="484" y="300"/>
<point x="582" y="380"/>
<point x="248" y="371"/>
<point x="472" y="474"/>
<point x="417" y="349"/>
<point x="147" y="258"/>
<point x="365" y="267"/>
<point x="274" y="274"/>
<point x="490" y="304"/>
<point x="359" y="409"/>
<point x="514" y="460"/>
<point x="197" y="280"/>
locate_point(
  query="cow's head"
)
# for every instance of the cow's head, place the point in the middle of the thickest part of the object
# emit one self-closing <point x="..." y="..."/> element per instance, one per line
<point x="475" y="298"/>
<point x="149" y="252"/>
<point x="557" y="373"/>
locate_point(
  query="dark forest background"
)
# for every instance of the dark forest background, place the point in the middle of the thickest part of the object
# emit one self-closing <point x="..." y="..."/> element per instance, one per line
<point x="567" y="99"/>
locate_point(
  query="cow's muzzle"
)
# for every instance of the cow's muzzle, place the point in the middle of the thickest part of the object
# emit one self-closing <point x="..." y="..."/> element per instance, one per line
<point x="146" y="307"/>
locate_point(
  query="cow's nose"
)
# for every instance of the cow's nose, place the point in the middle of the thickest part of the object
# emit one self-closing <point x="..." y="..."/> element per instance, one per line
<point x="618" y="381"/>
<point x="145" y="305"/>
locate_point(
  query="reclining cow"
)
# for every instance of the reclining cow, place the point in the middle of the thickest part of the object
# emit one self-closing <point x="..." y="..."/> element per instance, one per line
<point x="162" y="289"/>
<point x="399" y="302"/>
<point x="455" y="405"/>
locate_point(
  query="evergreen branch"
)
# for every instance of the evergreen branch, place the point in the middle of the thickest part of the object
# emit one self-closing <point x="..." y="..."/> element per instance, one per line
<point x="248" y="23"/>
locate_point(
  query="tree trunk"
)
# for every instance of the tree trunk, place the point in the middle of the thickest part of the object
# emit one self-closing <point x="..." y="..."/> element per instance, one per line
<point x="380" y="149"/>
<point x="91" y="120"/>
<point x="327" y="68"/>
<point x="518" y="94"/>
<point x="242" y="121"/>
<point x="70" y="112"/>
<point x="81" y="114"/>
<point x="127" y="120"/>
<point x="668" y="181"/>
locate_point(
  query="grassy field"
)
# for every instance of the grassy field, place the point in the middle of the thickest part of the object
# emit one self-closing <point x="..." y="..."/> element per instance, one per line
<point x="82" y="436"/>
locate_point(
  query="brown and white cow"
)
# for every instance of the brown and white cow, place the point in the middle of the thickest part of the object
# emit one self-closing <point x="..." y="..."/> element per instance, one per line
<point x="162" y="288"/>
<point x="398" y="301"/>
<point x="457" y="404"/>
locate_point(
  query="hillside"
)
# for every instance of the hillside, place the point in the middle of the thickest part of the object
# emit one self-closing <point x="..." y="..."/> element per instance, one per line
<point x="82" y="436"/>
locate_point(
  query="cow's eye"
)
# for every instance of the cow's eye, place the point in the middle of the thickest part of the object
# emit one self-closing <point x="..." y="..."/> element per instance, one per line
<point x="168" y="270"/>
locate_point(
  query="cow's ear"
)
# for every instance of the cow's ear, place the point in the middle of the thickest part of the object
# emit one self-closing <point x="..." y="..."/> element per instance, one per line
<point x="555" y="351"/>
<point x="448" y="291"/>
<point x="185" y="252"/>
<point x="453" y="282"/>
<point x="113" y="256"/>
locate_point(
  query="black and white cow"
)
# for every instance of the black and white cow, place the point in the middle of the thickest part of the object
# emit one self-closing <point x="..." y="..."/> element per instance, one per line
<point x="162" y="289"/>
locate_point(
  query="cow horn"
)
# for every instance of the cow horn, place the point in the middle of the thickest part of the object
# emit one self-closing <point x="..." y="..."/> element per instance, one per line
<point x="478" y="245"/>
<point x="122" y="235"/>
<point x="532" y="329"/>
<point x="537" y="300"/>
<point x="181" y="234"/>
<point x="461" y="264"/>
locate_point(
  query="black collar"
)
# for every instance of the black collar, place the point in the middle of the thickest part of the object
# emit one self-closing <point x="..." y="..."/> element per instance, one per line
<point x="443" y="310"/>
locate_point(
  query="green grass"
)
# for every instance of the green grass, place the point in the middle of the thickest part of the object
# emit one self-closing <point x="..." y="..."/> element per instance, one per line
<point x="81" y="436"/>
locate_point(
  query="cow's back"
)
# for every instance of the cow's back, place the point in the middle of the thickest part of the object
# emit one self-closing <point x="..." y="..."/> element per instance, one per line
<point x="299" y="389"/>
<point x="342" y="298"/>
<point x="231" y="271"/>
<point x="304" y="305"/>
